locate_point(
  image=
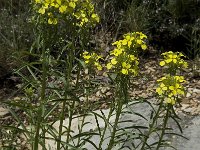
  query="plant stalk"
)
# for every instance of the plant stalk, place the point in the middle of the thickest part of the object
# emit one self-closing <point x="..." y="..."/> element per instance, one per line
<point x="163" y="129"/>
<point x="42" y="101"/>
<point x="151" y="126"/>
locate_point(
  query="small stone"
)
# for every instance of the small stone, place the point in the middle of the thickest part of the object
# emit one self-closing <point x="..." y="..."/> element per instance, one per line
<point x="188" y="94"/>
<point x="98" y="94"/>
<point x="82" y="99"/>
<point x="197" y="109"/>
<point x="17" y="99"/>
<point x="190" y="90"/>
<point x="188" y="110"/>
<point x="104" y="89"/>
<point x="184" y="106"/>
<point x="143" y="95"/>
<point x="108" y="93"/>
<point x="196" y="91"/>
<point x="86" y="71"/>
<point x="3" y="111"/>
<point x="137" y="92"/>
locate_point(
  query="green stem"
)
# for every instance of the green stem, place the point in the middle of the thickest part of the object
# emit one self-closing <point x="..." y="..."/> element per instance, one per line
<point x="62" y="116"/>
<point x="111" y="143"/>
<point x="163" y="129"/>
<point x="41" y="102"/>
<point x="104" y="131"/>
<point x="68" y="69"/>
<point x="122" y="94"/>
<point x="71" y="108"/>
<point x="151" y="128"/>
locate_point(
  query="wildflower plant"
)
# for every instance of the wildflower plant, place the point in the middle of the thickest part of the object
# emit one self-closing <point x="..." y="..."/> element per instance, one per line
<point x="170" y="86"/>
<point x="57" y="23"/>
<point x="124" y="58"/>
<point x="123" y="62"/>
<point x="170" y="90"/>
<point x="173" y="61"/>
<point x="92" y="60"/>
<point x="54" y="11"/>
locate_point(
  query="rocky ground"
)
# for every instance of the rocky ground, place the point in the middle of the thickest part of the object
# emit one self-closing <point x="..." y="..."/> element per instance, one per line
<point x="143" y="87"/>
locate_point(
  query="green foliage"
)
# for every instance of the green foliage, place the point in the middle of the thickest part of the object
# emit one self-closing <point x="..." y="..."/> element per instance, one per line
<point x="15" y="32"/>
<point x="54" y="82"/>
<point x="169" y="23"/>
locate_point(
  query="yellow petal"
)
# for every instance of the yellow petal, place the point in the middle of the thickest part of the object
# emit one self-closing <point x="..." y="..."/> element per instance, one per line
<point x="113" y="61"/>
<point x="171" y="87"/>
<point x="41" y="10"/>
<point x="124" y="71"/>
<point x="144" y="47"/>
<point x="109" y="66"/>
<point x="162" y="63"/>
<point x="62" y="9"/>
<point x="159" y="91"/>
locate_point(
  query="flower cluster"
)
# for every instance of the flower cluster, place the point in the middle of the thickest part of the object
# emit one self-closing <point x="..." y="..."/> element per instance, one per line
<point x="92" y="60"/>
<point x="124" y="63"/>
<point x="124" y="57"/>
<point x="53" y="10"/>
<point x="131" y="41"/>
<point x="170" y="85"/>
<point x="170" y="88"/>
<point x="172" y="59"/>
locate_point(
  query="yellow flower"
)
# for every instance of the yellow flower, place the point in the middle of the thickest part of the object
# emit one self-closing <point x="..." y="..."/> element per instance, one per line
<point x="143" y="46"/>
<point x="124" y="42"/>
<point x="139" y="41"/>
<point x="58" y="2"/>
<point x="116" y="52"/>
<point x="162" y="85"/>
<point x="99" y="67"/>
<point x="62" y="8"/>
<point x="114" y="61"/>
<point x="159" y="91"/>
<point x="170" y="100"/>
<point x="86" y="56"/>
<point x="168" y="60"/>
<point x="109" y="66"/>
<point x="37" y="1"/>
<point x="162" y="63"/>
<point x="132" y="57"/>
<point x="124" y="71"/>
<point x="96" y="17"/>
<point x="181" y="92"/>
<point x="52" y="21"/>
<point x="142" y="36"/>
<point x="41" y="10"/>
<point x="129" y="43"/>
<point x="171" y="87"/>
<point x="72" y="4"/>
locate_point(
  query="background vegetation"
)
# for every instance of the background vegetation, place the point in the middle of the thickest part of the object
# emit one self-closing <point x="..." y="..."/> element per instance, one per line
<point x="47" y="57"/>
<point x="170" y="24"/>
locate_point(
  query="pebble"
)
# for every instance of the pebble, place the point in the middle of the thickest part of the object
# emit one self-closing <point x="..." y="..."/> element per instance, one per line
<point x="188" y="110"/>
<point x="104" y="89"/>
<point x="188" y="94"/>
<point x="3" y="111"/>
<point x="82" y="99"/>
<point x="184" y="106"/>
<point x="190" y="90"/>
<point x="196" y="91"/>
<point x="108" y="93"/>
<point x="98" y="94"/>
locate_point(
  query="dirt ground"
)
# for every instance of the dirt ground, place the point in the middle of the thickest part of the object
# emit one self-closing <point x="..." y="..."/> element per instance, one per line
<point x="144" y="87"/>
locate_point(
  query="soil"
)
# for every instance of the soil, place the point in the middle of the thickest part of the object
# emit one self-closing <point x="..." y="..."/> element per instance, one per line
<point x="143" y="87"/>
